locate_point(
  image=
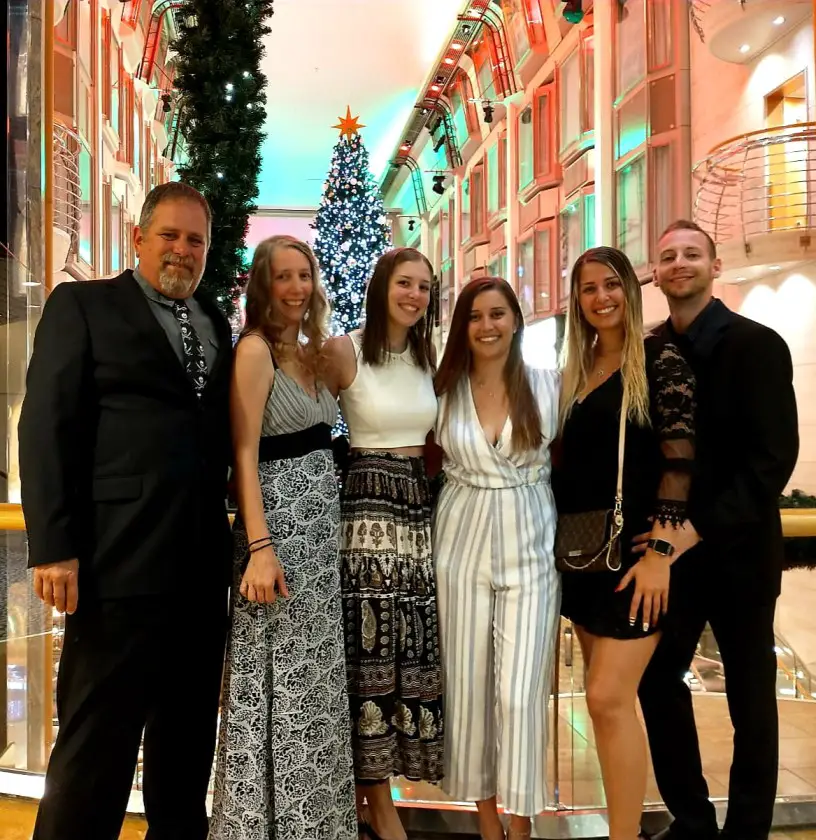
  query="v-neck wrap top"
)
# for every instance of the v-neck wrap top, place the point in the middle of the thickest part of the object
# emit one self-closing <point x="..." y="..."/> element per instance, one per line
<point x="471" y="460"/>
<point x="388" y="406"/>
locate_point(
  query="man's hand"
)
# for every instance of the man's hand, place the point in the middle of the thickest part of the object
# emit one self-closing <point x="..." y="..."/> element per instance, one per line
<point x="57" y="585"/>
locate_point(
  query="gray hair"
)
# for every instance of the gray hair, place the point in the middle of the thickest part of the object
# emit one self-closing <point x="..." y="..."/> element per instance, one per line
<point x="173" y="191"/>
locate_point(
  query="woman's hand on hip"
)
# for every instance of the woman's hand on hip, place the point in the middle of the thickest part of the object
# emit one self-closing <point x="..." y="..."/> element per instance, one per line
<point x="263" y="579"/>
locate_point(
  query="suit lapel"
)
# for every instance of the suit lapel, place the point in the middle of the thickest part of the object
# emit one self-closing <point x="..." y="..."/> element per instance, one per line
<point x="134" y="307"/>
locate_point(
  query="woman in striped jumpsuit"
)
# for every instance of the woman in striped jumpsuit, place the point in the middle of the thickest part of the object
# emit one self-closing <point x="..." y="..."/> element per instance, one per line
<point x="498" y="591"/>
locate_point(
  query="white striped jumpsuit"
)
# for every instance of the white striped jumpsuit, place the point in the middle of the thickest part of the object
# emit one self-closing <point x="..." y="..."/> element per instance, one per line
<point x="499" y="596"/>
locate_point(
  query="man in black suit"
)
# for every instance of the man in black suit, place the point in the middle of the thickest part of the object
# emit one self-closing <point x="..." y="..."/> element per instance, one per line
<point x="747" y="442"/>
<point x="124" y="450"/>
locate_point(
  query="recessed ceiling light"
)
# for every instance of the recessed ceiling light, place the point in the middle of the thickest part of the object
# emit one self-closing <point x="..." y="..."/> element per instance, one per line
<point x="741" y="279"/>
<point x="448" y="61"/>
<point x="774" y="267"/>
<point x="744" y="48"/>
<point x="778" y="21"/>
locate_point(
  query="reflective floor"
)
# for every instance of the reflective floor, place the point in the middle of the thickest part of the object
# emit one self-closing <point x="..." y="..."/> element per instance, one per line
<point x="17" y="821"/>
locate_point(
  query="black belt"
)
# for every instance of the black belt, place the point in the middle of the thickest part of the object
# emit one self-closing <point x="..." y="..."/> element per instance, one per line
<point x="294" y="444"/>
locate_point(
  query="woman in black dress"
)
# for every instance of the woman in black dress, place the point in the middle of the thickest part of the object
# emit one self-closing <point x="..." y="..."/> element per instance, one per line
<point x="619" y="615"/>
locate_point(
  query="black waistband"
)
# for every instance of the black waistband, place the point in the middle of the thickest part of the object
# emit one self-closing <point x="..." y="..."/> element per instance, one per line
<point x="294" y="444"/>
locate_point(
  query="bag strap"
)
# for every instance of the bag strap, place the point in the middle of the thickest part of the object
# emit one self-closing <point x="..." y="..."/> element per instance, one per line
<point x="621" y="449"/>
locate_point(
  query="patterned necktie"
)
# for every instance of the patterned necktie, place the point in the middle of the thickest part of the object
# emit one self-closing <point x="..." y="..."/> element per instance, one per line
<point x="194" y="362"/>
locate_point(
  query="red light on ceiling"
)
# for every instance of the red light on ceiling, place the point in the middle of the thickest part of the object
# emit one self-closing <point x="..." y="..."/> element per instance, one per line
<point x="456" y="46"/>
<point x="449" y="61"/>
<point x="435" y="88"/>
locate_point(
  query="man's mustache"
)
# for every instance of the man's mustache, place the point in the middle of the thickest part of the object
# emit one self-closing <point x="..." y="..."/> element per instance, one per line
<point x="185" y="262"/>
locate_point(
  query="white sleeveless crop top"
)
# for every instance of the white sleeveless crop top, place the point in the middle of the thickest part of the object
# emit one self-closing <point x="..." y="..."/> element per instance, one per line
<point x="388" y="406"/>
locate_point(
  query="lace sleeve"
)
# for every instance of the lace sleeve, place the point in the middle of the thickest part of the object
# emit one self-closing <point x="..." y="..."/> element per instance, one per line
<point x="673" y="408"/>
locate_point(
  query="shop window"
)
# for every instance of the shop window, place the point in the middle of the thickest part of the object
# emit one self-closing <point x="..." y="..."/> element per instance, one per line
<point x="86" y="206"/>
<point x="631" y="211"/>
<point x="473" y="206"/>
<point x="630" y="45"/>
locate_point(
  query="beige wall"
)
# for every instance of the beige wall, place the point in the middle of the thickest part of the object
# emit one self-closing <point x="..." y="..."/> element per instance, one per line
<point x="729" y="99"/>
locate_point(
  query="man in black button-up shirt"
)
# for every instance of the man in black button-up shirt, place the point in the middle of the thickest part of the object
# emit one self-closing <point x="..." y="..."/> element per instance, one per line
<point x="747" y="442"/>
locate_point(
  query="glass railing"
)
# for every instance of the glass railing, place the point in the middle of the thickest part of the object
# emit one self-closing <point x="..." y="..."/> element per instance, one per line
<point x="31" y="639"/>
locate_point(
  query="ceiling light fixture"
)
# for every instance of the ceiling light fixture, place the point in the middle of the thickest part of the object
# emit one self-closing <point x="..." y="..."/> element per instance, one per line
<point x="778" y="21"/>
<point x="744" y="48"/>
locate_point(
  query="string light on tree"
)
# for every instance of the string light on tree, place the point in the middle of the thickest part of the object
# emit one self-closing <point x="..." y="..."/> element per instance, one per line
<point x="352" y="229"/>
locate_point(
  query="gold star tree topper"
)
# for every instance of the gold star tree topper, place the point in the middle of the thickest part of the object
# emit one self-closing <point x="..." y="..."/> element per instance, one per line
<point x="348" y="125"/>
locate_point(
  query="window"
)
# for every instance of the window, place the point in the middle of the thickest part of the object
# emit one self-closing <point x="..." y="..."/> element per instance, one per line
<point x="477" y="206"/>
<point x="86" y="205"/>
<point x="497" y="267"/>
<point x="85" y="38"/>
<point x="661" y="203"/>
<point x="631" y="216"/>
<point x="465" y="218"/>
<point x="497" y="179"/>
<point x="107" y="213"/>
<point x="660" y="34"/>
<point x="588" y="98"/>
<point x="65" y="31"/>
<point x="572" y="240"/>
<point x="515" y="17"/>
<point x="137" y="138"/>
<point x="106" y="65"/>
<point x="459" y="118"/>
<point x="526" y="150"/>
<point x="571" y="101"/>
<point x="630" y="45"/>
<point x="526" y="277"/>
<point x="116" y="86"/>
<point x="116" y="264"/>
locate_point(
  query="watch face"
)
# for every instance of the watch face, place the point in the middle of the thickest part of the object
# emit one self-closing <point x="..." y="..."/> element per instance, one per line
<point x="662" y="547"/>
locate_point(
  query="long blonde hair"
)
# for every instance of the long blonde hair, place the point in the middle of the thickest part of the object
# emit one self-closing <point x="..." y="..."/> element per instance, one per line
<point x="579" y="342"/>
<point x="260" y="313"/>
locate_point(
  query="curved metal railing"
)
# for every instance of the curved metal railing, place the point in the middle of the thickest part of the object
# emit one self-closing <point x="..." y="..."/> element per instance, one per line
<point x="67" y="190"/>
<point x="758" y="183"/>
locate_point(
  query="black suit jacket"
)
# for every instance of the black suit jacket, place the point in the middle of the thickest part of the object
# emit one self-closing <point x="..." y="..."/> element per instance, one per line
<point x="747" y="443"/>
<point x="122" y="465"/>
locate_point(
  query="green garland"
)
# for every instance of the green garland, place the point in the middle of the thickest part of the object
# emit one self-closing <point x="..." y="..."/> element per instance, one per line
<point x="221" y="89"/>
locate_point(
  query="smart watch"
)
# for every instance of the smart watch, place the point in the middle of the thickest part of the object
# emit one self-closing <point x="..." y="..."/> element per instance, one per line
<point x="661" y="547"/>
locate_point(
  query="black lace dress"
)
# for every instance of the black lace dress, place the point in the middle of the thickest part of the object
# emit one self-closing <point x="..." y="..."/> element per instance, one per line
<point x="656" y="478"/>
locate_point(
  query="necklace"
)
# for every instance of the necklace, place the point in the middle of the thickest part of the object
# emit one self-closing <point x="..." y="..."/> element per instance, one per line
<point x="483" y="386"/>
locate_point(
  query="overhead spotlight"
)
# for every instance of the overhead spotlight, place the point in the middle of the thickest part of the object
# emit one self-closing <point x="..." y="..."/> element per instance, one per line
<point x="166" y="98"/>
<point x="439" y="184"/>
<point x="488" y="112"/>
<point x="440" y="143"/>
<point x="411" y="225"/>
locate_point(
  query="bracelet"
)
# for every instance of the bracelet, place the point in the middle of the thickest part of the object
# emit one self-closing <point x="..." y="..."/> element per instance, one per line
<point x="259" y="545"/>
<point x="262" y="539"/>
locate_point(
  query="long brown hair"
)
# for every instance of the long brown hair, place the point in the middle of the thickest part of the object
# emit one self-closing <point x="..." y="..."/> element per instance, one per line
<point x="260" y="311"/>
<point x="579" y="344"/>
<point x="375" y="329"/>
<point x="457" y="363"/>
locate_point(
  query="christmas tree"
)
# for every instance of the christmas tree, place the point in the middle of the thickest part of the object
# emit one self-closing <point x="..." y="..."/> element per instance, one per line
<point x="222" y="96"/>
<point x="352" y="231"/>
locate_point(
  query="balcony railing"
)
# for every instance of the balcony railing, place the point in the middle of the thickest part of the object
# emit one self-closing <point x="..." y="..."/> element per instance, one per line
<point x="67" y="190"/>
<point x="758" y="183"/>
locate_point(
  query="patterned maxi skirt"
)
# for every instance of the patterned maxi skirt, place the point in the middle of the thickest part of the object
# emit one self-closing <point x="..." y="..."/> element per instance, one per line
<point x="284" y="765"/>
<point x="390" y="617"/>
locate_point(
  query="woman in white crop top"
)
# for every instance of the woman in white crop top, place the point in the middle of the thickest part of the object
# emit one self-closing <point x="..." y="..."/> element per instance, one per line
<point x="385" y="376"/>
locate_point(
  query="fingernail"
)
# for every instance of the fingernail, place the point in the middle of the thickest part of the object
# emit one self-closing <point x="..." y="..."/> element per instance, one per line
<point x="632" y="621"/>
<point x="645" y="626"/>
